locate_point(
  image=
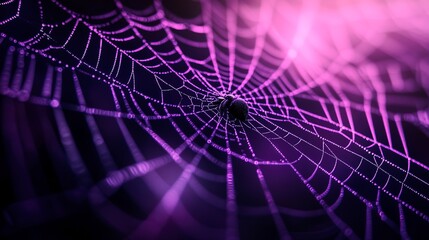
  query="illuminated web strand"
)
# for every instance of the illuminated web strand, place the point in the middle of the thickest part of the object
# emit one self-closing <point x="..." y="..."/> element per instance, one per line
<point x="169" y="201"/>
<point x="406" y="171"/>
<point x="231" y="202"/>
<point x="362" y="175"/>
<point x="273" y="97"/>
<point x="342" y="128"/>
<point x="346" y="229"/>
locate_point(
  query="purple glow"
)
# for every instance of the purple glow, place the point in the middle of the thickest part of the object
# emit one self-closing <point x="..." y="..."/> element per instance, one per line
<point x="112" y="123"/>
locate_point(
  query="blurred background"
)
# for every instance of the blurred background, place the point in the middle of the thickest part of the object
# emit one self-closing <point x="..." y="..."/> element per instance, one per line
<point x="108" y="128"/>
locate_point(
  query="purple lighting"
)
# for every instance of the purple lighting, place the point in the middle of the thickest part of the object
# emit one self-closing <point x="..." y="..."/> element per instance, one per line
<point x="211" y="119"/>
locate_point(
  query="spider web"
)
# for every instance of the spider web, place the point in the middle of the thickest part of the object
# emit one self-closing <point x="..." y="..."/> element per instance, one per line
<point x="110" y="107"/>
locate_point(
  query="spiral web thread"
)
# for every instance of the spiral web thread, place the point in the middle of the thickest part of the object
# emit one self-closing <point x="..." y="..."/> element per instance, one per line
<point x="322" y="104"/>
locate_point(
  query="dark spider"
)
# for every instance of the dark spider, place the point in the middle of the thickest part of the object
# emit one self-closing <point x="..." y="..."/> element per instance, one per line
<point x="236" y="107"/>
